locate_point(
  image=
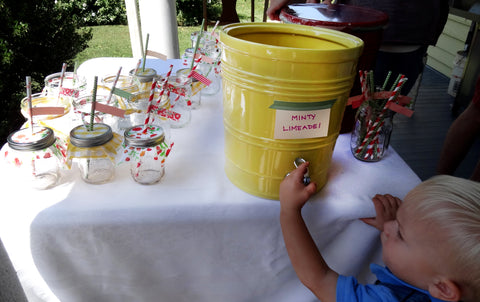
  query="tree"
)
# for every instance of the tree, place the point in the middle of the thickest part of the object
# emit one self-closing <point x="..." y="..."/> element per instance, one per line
<point x="36" y="38"/>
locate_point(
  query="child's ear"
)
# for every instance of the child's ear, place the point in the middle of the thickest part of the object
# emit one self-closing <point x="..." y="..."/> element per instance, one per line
<point x="445" y="289"/>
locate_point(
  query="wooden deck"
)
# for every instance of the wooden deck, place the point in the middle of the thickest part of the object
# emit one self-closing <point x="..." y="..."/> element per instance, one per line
<point x="419" y="139"/>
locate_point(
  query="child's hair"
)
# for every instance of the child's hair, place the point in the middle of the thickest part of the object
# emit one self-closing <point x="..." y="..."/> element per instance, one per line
<point x="452" y="205"/>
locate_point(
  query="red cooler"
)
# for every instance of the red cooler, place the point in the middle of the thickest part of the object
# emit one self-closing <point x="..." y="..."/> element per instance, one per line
<point x="365" y="23"/>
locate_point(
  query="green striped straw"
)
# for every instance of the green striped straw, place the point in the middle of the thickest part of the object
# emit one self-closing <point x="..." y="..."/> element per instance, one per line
<point x="386" y="80"/>
<point x="94" y="100"/>
<point x="200" y="32"/>
<point x="396" y="82"/>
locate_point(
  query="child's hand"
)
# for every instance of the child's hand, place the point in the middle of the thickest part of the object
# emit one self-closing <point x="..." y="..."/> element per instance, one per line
<point x="386" y="207"/>
<point x="293" y="193"/>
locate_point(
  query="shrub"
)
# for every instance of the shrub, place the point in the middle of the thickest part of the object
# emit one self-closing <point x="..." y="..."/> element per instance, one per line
<point x="190" y="12"/>
<point x="36" y="37"/>
<point x="98" y="12"/>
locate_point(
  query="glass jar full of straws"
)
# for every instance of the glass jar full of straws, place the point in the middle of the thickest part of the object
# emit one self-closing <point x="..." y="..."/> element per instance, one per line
<point x="374" y="119"/>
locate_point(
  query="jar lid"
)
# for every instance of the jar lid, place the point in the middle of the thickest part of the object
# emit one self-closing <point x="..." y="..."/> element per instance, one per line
<point x="145" y="75"/>
<point x="81" y="137"/>
<point x="183" y="73"/>
<point x="136" y="136"/>
<point x="189" y="51"/>
<point x="333" y="15"/>
<point x="25" y="140"/>
<point x="54" y="78"/>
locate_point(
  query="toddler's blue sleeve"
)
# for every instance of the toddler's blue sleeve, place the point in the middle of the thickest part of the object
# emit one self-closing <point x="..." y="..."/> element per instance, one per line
<point x="349" y="290"/>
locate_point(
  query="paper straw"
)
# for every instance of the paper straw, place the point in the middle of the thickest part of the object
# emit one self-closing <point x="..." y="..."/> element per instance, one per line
<point x="75" y="67"/>
<point x="152" y="93"/>
<point x="375" y="128"/>
<point x="136" y="70"/>
<point x="200" y="32"/>
<point x="94" y="100"/>
<point x="176" y="100"/>
<point x="363" y="84"/>
<point x="189" y="75"/>
<point x="386" y="80"/>
<point x="62" y="74"/>
<point x="395" y="84"/>
<point x="28" y="85"/>
<point x="215" y="27"/>
<point x="371" y="82"/>
<point x="212" y="66"/>
<point x="114" y="84"/>
<point x="165" y="82"/>
<point x="145" y="52"/>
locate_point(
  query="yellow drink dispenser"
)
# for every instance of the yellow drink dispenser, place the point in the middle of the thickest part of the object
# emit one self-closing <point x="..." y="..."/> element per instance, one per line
<point x="285" y="88"/>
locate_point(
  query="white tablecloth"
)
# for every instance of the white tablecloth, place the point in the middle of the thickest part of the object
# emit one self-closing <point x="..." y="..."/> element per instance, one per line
<point x="192" y="237"/>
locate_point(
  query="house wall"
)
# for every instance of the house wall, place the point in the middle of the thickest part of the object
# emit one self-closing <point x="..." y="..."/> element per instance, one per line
<point x="452" y="39"/>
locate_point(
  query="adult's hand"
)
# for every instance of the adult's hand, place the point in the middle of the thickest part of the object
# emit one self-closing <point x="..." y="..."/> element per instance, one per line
<point x="273" y="11"/>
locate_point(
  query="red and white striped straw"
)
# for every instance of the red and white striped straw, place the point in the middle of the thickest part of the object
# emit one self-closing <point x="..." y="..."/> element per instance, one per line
<point x="175" y="101"/>
<point x="135" y="70"/>
<point x="165" y="82"/>
<point x="374" y="128"/>
<point x="114" y="85"/>
<point x="374" y="142"/>
<point x="152" y="93"/>
<point x="189" y="75"/>
<point x="169" y="72"/>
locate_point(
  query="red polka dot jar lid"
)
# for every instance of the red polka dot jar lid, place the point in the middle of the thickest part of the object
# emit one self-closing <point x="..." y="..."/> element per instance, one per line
<point x="28" y="140"/>
<point x="144" y="136"/>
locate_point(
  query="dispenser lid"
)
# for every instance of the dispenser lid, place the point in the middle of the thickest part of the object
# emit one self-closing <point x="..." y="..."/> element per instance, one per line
<point x="333" y="15"/>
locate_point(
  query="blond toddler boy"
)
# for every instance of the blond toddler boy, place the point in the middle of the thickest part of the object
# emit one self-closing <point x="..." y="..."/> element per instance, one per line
<point x="430" y="241"/>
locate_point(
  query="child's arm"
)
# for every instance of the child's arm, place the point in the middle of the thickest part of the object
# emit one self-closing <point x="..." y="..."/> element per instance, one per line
<point x="386" y="207"/>
<point x="307" y="261"/>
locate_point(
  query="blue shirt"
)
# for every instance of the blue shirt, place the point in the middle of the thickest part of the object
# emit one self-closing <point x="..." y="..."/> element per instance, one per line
<point x="387" y="288"/>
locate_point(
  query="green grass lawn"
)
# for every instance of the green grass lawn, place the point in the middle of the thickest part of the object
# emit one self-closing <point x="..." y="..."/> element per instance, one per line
<point x="114" y="40"/>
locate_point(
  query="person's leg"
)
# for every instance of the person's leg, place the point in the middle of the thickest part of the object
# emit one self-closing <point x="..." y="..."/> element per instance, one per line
<point x="229" y="12"/>
<point x="476" y="173"/>
<point x="460" y="137"/>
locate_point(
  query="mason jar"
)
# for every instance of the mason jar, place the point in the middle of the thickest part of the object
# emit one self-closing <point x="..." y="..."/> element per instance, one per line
<point x="82" y="109"/>
<point x="70" y="87"/>
<point x="190" y="86"/>
<point x="41" y="100"/>
<point x="187" y="57"/>
<point x="35" y="155"/>
<point x="208" y="70"/>
<point x="143" y="78"/>
<point x="146" y="150"/>
<point x="92" y="153"/>
<point x="125" y="83"/>
<point x="173" y="110"/>
<point x="208" y="43"/>
<point x="371" y="134"/>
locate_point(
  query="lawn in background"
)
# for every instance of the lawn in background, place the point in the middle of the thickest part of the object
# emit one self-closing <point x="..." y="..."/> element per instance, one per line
<point x="114" y="40"/>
